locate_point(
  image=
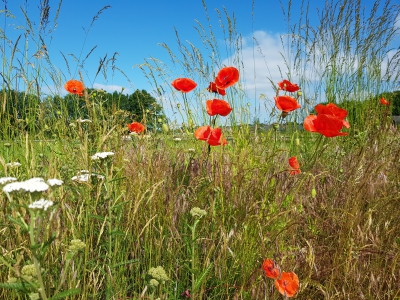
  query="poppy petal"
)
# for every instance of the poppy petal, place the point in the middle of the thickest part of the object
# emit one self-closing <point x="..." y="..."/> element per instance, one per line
<point x="288" y="284"/>
<point x="270" y="268"/>
<point x="227" y="77"/>
<point x="184" y="85"/>
<point x="218" y="107"/>
<point x="286" y="103"/>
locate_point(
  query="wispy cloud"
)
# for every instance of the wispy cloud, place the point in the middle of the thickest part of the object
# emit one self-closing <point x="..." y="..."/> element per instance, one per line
<point x="111" y="88"/>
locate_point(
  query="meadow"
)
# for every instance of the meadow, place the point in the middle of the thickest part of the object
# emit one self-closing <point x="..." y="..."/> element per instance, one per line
<point x="222" y="207"/>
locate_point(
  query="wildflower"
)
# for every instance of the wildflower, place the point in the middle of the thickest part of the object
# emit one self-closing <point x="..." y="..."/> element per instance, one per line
<point x="136" y="127"/>
<point x="54" y="182"/>
<point x="227" y="77"/>
<point x="177" y="139"/>
<point x="29" y="272"/>
<point x="158" y="274"/>
<point x="214" y="89"/>
<point x="83" y="176"/>
<point x="197" y="213"/>
<point x="287" y="284"/>
<point x="270" y="268"/>
<point x="34" y="296"/>
<point x="287" y="86"/>
<point x="286" y="103"/>
<point x="384" y="101"/>
<point x="74" y="87"/>
<point x="41" y="204"/>
<point x="186" y="294"/>
<point x="5" y="180"/>
<point x="295" y="165"/>
<point x="31" y="185"/>
<point x="184" y="85"/>
<point x="328" y="122"/>
<point x="76" y="245"/>
<point x="102" y="155"/>
<point x="153" y="282"/>
<point x="218" y="107"/>
<point x="13" y="164"/>
<point x="212" y="136"/>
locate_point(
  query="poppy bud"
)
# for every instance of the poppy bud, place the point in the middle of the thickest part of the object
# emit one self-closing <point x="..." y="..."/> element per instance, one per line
<point x="313" y="193"/>
<point x="299" y="93"/>
<point x="165" y="128"/>
<point x="276" y="126"/>
<point x="297" y="142"/>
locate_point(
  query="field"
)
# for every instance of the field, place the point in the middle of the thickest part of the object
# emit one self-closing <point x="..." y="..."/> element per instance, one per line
<point x="94" y="209"/>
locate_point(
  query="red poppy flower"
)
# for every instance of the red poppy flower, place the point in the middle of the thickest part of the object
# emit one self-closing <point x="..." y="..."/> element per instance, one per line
<point x="213" y="137"/>
<point x="270" y="268"/>
<point x="384" y="101"/>
<point x="202" y="133"/>
<point x="136" y="127"/>
<point x="213" y="88"/>
<point x="74" y="87"/>
<point x="287" y="284"/>
<point x="226" y="77"/>
<point x="184" y="85"/>
<point x="218" y="107"/>
<point x="286" y="103"/>
<point x="295" y="166"/>
<point x="326" y="125"/>
<point x="287" y="86"/>
<point x="328" y="122"/>
<point x="332" y="109"/>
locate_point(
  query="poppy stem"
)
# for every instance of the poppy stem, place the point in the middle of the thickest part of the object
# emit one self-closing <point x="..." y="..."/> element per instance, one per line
<point x="314" y="157"/>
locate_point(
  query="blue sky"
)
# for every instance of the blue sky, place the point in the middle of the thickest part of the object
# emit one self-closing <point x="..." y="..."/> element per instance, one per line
<point x="134" y="29"/>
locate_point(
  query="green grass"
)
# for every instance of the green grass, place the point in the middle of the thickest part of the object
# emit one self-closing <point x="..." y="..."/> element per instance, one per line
<point x="335" y="224"/>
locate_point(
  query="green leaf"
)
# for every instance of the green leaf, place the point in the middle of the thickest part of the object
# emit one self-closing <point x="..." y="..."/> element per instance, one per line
<point x="65" y="294"/>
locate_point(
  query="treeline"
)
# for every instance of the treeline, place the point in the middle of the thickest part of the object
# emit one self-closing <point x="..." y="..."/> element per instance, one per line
<point x="26" y="111"/>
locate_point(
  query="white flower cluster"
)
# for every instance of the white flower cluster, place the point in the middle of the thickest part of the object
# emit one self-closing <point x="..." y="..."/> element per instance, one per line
<point x="32" y="185"/>
<point x="54" y="182"/>
<point x="83" y="176"/>
<point x="102" y="155"/>
<point x="13" y="164"/>
<point x="41" y="204"/>
<point x="5" y="180"/>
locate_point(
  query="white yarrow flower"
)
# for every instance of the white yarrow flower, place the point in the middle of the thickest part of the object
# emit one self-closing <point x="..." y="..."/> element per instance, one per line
<point x="41" y="204"/>
<point x="32" y="185"/>
<point x="54" y="182"/>
<point x="177" y="139"/>
<point x="102" y="155"/>
<point x="5" y="180"/>
<point x="13" y="164"/>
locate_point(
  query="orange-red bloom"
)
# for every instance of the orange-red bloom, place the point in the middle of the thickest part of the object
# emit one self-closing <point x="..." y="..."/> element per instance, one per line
<point x="295" y="166"/>
<point x="270" y="268"/>
<point x="184" y="85"/>
<point x="213" y="137"/>
<point x="218" y="107"/>
<point x="226" y="77"/>
<point x="287" y="86"/>
<point x="74" y="87"/>
<point x="328" y="122"/>
<point x="384" y="101"/>
<point x="213" y="88"/>
<point x="286" y="103"/>
<point x="287" y="284"/>
<point x="136" y="127"/>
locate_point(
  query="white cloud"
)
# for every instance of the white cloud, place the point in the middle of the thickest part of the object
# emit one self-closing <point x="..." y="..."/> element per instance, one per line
<point x="262" y="56"/>
<point x="111" y="88"/>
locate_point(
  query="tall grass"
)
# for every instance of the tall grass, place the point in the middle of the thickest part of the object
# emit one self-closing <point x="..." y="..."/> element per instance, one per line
<point x="210" y="218"/>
